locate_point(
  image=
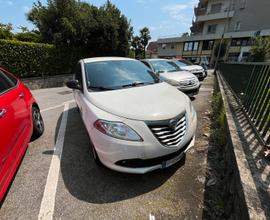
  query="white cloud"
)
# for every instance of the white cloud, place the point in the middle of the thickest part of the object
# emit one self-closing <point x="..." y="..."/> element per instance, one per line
<point x="26" y="9"/>
<point x="178" y="12"/>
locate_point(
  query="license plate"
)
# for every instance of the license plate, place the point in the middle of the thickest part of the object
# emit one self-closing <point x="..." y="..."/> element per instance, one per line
<point x="172" y="161"/>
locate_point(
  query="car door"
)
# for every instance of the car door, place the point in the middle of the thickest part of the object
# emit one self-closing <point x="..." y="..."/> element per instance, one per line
<point x="14" y="119"/>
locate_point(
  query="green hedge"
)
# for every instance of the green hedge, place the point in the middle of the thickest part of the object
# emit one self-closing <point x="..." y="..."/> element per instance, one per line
<point x="26" y="59"/>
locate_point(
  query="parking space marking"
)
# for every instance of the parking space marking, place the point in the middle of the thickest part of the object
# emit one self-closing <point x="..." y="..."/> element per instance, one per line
<point x="56" y="106"/>
<point x="48" y="201"/>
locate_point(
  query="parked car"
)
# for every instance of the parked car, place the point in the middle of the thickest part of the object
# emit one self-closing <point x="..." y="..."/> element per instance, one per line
<point x="135" y="122"/>
<point x="194" y="69"/>
<point x="170" y="72"/>
<point x="20" y="122"/>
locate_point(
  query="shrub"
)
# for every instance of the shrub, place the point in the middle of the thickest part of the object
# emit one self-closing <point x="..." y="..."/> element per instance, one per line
<point x="260" y="49"/>
<point x="26" y="59"/>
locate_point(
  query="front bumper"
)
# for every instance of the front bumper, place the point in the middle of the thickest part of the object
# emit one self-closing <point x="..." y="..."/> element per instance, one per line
<point x="140" y="157"/>
<point x="190" y="91"/>
<point x="200" y="75"/>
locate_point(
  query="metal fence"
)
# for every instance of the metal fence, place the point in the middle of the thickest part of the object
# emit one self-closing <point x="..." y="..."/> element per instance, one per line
<point x="250" y="83"/>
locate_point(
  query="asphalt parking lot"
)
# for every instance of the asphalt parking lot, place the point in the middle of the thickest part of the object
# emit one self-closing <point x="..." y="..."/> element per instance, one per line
<point x="74" y="187"/>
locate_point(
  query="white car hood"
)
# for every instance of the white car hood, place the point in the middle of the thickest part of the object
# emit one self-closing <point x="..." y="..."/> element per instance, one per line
<point x="193" y="67"/>
<point x="177" y="76"/>
<point x="153" y="102"/>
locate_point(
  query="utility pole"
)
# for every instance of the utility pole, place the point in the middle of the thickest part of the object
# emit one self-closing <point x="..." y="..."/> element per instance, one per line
<point x="222" y="36"/>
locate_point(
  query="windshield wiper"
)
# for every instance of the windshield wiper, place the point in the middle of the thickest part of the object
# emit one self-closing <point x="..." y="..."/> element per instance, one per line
<point x="101" y="88"/>
<point x="133" y="84"/>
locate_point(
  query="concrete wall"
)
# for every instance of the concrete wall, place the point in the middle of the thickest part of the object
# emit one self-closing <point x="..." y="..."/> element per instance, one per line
<point x="165" y="49"/>
<point x="220" y="26"/>
<point x="253" y="16"/>
<point x="47" y="82"/>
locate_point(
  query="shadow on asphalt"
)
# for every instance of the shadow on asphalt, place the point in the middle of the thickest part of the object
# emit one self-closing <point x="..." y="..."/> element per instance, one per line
<point x="88" y="182"/>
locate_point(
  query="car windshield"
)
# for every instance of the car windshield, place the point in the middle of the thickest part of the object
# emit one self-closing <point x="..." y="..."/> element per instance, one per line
<point x="116" y="74"/>
<point x="183" y="63"/>
<point x="161" y="66"/>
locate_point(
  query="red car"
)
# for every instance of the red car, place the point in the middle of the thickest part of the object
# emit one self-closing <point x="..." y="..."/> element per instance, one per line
<point x="20" y="122"/>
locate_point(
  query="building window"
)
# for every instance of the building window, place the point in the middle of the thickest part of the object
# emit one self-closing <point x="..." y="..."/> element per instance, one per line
<point x="191" y="46"/>
<point x="172" y="46"/>
<point x="237" y="42"/>
<point x="186" y="46"/>
<point x="211" y="29"/>
<point x="208" y="45"/>
<point x="196" y="45"/>
<point x="216" y="8"/>
<point x="237" y="26"/>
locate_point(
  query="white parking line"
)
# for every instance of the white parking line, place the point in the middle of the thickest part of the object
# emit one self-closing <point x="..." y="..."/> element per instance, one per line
<point x="56" y="106"/>
<point x="47" y="203"/>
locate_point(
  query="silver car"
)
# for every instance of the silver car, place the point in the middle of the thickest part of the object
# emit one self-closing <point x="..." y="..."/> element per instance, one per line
<point x="170" y="72"/>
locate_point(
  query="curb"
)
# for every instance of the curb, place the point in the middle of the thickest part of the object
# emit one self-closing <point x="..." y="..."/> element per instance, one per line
<point x="247" y="193"/>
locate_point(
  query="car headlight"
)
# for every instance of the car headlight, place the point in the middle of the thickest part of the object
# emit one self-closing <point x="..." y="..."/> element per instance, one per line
<point x="117" y="130"/>
<point x="172" y="82"/>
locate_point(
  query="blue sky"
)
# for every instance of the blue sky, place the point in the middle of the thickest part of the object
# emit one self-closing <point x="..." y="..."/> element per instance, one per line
<point x="163" y="17"/>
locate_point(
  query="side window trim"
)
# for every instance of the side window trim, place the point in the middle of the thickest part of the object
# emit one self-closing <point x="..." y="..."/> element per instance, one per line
<point x="3" y="73"/>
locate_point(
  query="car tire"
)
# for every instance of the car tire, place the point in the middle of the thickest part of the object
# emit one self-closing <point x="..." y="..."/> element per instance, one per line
<point x="38" y="124"/>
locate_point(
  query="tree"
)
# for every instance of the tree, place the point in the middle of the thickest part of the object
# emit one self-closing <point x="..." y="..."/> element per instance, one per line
<point x="77" y="24"/>
<point x="28" y="36"/>
<point x="260" y="49"/>
<point x="186" y="34"/>
<point x="137" y="47"/>
<point x="6" y="31"/>
<point x="145" y="37"/>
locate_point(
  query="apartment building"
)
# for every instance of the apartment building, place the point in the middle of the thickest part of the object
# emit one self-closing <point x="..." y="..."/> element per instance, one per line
<point x="240" y="20"/>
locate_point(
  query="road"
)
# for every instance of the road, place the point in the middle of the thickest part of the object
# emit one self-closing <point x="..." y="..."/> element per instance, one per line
<point x="85" y="191"/>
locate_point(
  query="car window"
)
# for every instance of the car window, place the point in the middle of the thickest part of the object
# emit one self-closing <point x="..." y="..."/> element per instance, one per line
<point x="184" y="63"/>
<point x="161" y="66"/>
<point x="115" y="74"/>
<point x="6" y="82"/>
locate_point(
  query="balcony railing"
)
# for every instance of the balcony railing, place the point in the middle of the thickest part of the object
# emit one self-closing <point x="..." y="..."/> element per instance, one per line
<point x="215" y="16"/>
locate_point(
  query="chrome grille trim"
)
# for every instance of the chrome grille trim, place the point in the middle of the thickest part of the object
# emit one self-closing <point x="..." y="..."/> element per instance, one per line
<point x="169" y="132"/>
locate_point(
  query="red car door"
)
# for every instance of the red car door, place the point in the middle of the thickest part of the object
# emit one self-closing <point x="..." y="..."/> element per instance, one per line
<point x="15" y="124"/>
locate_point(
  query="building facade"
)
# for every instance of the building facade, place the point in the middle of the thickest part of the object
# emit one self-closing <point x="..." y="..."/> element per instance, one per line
<point x="239" y="20"/>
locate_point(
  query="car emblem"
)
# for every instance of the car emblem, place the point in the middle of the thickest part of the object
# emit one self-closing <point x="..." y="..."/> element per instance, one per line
<point x="173" y="123"/>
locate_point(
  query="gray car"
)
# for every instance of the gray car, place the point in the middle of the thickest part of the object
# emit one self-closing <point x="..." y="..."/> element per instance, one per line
<point x="168" y="71"/>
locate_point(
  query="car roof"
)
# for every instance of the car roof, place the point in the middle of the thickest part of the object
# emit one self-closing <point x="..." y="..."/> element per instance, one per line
<point x="98" y="59"/>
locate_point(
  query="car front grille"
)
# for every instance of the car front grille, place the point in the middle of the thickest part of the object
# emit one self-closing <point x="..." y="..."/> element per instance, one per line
<point x="169" y="132"/>
<point x="188" y="82"/>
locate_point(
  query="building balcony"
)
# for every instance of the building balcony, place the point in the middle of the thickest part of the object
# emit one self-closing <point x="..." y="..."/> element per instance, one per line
<point x="215" y="16"/>
<point x="200" y="10"/>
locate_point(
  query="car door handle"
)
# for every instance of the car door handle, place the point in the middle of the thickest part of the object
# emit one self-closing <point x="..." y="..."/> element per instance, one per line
<point x="2" y="113"/>
<point x="21" y="95"/>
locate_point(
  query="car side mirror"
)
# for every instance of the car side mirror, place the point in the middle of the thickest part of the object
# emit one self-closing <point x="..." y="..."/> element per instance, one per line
<point x="73" y="84"/>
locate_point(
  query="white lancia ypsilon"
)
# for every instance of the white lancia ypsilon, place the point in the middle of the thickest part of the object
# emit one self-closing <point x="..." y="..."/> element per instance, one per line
<point x="136" y="123"/>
